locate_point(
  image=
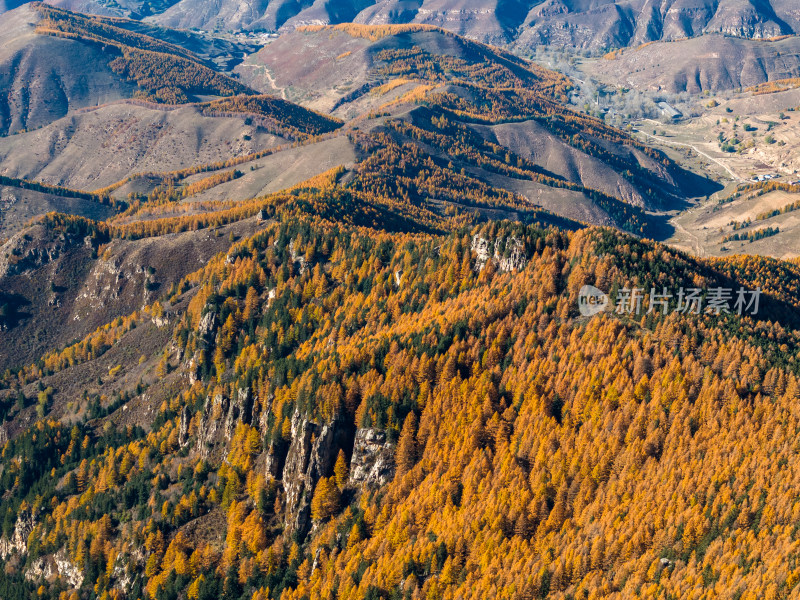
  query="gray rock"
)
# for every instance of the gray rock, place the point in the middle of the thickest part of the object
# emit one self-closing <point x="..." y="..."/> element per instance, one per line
<point x="214" y="412"/>
<point x="221" y="416"/>
<point x="50" y="566"/>
<point x="300" y="261"/>
<point x="273" y="463"/>
<point x="372" y="463"/>
<point x="19" y="539"/>
<point x="508" y="254"/>
<point x="183" y="428"/>
<point x="208" y="326"/>
<point x="310" y="457"/>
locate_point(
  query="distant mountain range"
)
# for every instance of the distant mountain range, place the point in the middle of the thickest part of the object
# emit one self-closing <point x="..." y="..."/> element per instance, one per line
<point x="586" y="24"/>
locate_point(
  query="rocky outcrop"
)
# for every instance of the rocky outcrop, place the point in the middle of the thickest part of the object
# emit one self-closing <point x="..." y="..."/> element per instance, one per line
<point x="31" y="248"/>
<point x="193" y="370"/>
<point x="243" y="409"/>
<point x="508" y="253"/>
<point x="161" y="320"/>
<point x="372" y="463"/>
<point x="310" y="457"/>
<point x="211" y="423"/>
<point x="297" y="259"/>
<point x="273" y="465"/>
<point x="183" y="428"/>
<point x="55" y="565"/>
<point x="207" y="328"/>
<point x="19" y="539"/>
<point x="220" y="417"/>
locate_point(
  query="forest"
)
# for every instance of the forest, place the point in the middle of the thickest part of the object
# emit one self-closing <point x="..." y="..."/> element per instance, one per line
<point x="382" y="388"/>
<point x="538" y="483"/>
<point x="164" y="72"/>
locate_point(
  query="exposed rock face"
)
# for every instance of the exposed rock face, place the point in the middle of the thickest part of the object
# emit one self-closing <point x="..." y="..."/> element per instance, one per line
<point x="310" y="457"/>
<point x="220" y="417"/>
<point x="193" y="370"/>
<point x="508" y="253"/>
<point x="161" y="321"/>
<point x="30" y="249"/>
<point x="242" y="409"/>
<point x="19" y="539"/>
<point x="299" y="261"/>
<point x="583" y="23"/>
<point x="117" y="278"/>
<point x="373" y="458"/>
<point x="183" y="429"/>
<point x="207" y="328"/>
<point x="274" y="462"/>
<point x="215" y="410"/>
<point x="51" y="566"/>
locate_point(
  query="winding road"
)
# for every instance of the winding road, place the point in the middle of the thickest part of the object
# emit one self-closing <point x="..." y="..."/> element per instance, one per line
<point x="696" y="149"/>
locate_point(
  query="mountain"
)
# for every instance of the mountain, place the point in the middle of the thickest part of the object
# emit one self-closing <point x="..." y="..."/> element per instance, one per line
<point x="707" y="63"/>
<point x="43" y="45"/>
<point x="603" y="24"/>
<point x="98" y="147"/>
<point x="353" y="70"/>
<point x="465" y="132"/>
<point x="21" y="202"/>
<point x="586" y="24"/>
<point x="345" y="396"/>
<point x="370" y="313"/>
<point x="405" y="87"/>
<point x="38" y="78"/>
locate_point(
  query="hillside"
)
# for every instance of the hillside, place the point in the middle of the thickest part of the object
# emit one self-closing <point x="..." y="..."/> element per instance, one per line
<point x="61" y="287"/>
<point x="42" y="47"/>
<point x="591" y="24"/>
<point x="329" y="394"/>
<point x="706" y="63"/>
<point x="409" y="88"/>
<point x="598" y="24"/>
<point x="96" y="148"/>
<point x="38" y="78"/>
<point x="19" y="205"/>
<point x="372" y="314"/>
<point x="388" y="71"/>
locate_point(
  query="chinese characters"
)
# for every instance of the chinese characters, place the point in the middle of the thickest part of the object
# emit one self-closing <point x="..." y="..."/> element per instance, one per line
<point x="715" y="301"/>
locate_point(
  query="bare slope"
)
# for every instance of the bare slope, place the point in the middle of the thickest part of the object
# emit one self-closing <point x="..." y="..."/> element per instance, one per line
<point x="709" y="228"/>
<point x="349" y="70"/>
<point x="712" y="62"/>
<point x="60" y="289"/>
<point x="326" y="68"/>
<point x="531" y="140"/>
<point x="18" y="206"/>
<point x="602" y="24"/>
<point x="93" y="149"/>
<point x="282" y="170"/>
<point x="39" y="81"/>
<point x="591" y="24"/>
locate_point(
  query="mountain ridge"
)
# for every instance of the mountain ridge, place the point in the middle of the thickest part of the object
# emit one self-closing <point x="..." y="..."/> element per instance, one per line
<point x="592" y="25"/>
